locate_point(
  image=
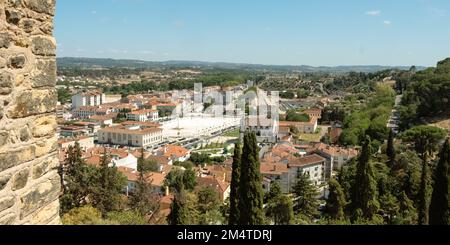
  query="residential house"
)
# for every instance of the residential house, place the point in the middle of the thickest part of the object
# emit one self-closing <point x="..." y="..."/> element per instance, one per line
<point x="335" y="156"/>
<point x="218" y="184"/>
<point x="309" y="127"/>
<point x="174" y="152"/>
<point x="311" y="165"/>
<point x="143" y="115"/>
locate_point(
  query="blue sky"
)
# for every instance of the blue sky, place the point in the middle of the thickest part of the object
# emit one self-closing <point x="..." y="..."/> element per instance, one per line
<point x="280" y="32"/>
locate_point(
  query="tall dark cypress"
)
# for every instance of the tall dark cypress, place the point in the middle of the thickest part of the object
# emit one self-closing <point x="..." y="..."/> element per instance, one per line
<point x="390" y="151"/>
<point x="250" y="187"/>
<point x="364" y="189"/>
<point x="439" y="206"/>
<point x="234" y="193"/>
<point x="423" y="204"/>
<point x="336" y="201"/>
<point x="178" y="210"/>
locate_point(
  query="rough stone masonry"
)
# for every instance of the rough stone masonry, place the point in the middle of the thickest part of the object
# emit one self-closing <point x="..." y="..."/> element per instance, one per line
<point x="29" y="181"/>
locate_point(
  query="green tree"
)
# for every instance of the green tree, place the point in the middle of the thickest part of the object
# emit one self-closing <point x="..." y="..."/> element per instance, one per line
<point x="177" y="178"/>
<point x="390" y="207"/>
<point x="425" y="139"/>
<point x="250" y="184"/>
<point x="306" y="197"/>
<point x="183" y="209"/>
<point x="279" y="207"/>
<point x="234" y="192"/>
<point x="408" y="213"/>
<point x="85" y="215"/>
<point x="336" y="201"/>
<point x="280" y="210"/>
<point x="208" y="205"/>
<point x="274" y="192"/>
<point x="364" y="190"/>
<point x="63" y="95"/>
<point x="390" y="150"/>
<point x="110" y="184"/>
<point x="440" y="205"/>
<point x="189" y="179"/>
<point x="77" y="180"/>
<point x="126" y="218"/>
<point x="423" y="196"/>
<point x="143" y="200"/>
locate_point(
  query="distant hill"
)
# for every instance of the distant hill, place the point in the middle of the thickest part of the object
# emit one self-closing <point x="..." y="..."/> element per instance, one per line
<point x="87" y="63"/>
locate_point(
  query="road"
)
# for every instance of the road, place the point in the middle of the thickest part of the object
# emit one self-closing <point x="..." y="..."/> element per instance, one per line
<point x="394" y="118"/>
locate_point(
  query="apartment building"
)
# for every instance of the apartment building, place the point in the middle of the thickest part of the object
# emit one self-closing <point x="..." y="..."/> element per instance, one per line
<point x="94" y="98"/>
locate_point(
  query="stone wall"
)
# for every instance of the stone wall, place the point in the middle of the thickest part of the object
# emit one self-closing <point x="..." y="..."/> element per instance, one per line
<point x="29" y="181"/>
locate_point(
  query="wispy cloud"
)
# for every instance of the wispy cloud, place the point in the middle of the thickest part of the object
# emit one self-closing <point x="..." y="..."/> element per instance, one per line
<point x="373" y="13"/>
<point x="94" y="12"/>
<point x="387" y="22"/>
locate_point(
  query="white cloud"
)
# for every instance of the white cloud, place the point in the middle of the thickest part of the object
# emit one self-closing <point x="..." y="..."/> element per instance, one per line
<point x="94" y="12"/>
<point x="373" y="13"/>
<point x="387" y="22"/>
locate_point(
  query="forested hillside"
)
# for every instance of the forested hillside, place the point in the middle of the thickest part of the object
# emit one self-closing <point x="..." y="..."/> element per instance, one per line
<point x="426" y="94"/>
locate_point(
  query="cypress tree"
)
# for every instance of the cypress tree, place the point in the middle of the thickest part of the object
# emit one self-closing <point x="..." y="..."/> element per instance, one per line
<point x="178" y="212"/>
<point x="336" y="201"/>
<point x="234" y="193"/>
<point x="109" y="186"/>
<point x="364" y="188"/>
<point x="183" y="210"/>
<point x="390" y="151"/>
<point x="423" y="204"/>
<point x="143" y="201"/>
<point x="439" y="206"/>
<point x="250" y="184"/>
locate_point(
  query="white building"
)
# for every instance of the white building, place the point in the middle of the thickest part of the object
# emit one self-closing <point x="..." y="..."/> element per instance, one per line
<point x="312" y="165"/>
<point x="84" y="112"/>
<point x="85" y="142"/>
<point x="88" y="99"/>
<point x="131" y="135"/>
<point x="143" y="115"/>
<point x="128" y="162"/>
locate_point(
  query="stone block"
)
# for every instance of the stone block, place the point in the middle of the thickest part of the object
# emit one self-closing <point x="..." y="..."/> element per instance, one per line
<point x="34" y="102"/>
<point x="39" y="196"/>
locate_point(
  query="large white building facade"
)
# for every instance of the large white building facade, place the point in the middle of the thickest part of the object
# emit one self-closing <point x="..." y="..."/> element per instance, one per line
<point x="131" y="135"/>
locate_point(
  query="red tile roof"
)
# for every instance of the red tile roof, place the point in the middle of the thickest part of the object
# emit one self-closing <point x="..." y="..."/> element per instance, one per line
<point x="307" y="160"/>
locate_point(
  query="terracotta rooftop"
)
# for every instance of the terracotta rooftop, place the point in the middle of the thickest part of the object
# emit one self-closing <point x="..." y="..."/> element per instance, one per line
<point x="307" y="160"/>
<point x="273" y="168"/>
<point x="173" y="150"/>
<point x="215" y="183"/>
